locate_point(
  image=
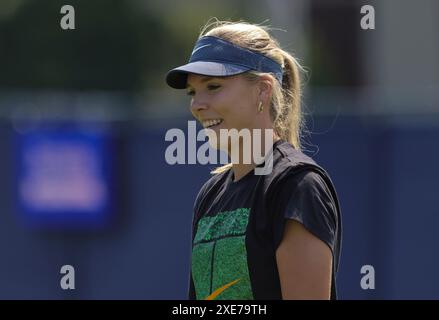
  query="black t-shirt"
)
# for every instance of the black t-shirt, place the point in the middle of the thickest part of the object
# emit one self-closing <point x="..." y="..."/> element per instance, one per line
<point x="237" y="226"/>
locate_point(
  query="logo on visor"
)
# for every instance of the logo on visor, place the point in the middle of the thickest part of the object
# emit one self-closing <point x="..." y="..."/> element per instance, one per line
<point x="196" y="49"/>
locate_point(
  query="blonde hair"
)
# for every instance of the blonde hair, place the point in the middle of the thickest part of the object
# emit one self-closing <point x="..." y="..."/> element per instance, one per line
<point x="285" y="107"/>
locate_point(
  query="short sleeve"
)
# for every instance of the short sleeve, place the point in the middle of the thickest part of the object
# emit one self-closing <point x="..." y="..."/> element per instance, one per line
<point x="306" y="198"/>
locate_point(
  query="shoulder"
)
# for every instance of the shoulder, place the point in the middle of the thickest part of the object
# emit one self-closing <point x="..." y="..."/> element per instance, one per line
<point x="292" y="166"/>
<point x="299" y="179"/>
<point x="304" y="192"/>
<point x="287" y="154"/>
<point x="307" y="185"/>
<point x="307" y="181"/>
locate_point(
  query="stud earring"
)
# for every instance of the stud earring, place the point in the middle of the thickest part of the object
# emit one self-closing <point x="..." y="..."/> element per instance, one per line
<point x="260" y="107"/>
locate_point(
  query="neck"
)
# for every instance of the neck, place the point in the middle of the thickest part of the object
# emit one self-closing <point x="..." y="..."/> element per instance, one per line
<point x="240" y="169"/>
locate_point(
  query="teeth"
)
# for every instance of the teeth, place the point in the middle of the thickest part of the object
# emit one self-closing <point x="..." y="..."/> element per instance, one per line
<point x="209" y="123"/>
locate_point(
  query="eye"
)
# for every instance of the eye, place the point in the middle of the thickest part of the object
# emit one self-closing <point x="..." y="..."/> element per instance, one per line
<point x="190" y="93"/>
<point x="213" y="86"/>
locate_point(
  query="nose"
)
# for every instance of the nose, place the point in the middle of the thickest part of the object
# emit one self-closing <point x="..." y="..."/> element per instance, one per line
<point x="198" y="105"/>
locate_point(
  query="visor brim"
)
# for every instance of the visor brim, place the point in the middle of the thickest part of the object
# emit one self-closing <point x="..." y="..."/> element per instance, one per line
<point x="177" y="78"/>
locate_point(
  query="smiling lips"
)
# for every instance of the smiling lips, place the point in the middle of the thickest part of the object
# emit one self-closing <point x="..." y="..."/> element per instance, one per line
<point x="211" y="123"/>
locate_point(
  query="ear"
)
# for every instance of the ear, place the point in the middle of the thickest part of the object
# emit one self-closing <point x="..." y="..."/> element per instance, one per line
<point x="265" y="87"/>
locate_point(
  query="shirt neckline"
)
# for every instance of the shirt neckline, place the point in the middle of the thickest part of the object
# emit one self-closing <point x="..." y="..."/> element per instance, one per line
<point x="249" y="174"/>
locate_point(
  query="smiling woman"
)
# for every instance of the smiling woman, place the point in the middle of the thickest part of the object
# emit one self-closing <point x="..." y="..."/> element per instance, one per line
<point x="276" y="236"/>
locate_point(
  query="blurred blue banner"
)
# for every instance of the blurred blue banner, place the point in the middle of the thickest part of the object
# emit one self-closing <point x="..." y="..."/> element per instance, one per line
<point x="63" y="176"/>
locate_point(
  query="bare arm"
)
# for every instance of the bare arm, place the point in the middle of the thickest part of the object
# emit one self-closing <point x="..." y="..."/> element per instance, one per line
<point x="304" y="263"/>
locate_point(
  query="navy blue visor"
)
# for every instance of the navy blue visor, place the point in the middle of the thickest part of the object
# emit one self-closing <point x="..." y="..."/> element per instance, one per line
<point x="216" y="57"/>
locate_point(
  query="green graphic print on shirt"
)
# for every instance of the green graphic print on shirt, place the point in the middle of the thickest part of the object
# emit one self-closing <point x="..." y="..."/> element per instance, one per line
<point x="219" y="257"/>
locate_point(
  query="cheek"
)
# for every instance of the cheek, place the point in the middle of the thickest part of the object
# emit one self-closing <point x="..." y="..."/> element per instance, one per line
<point x="239" y="117"/>
<point x="235" y="108"/>
<point x="225" y="105"/>
<point x="245" y="112"/>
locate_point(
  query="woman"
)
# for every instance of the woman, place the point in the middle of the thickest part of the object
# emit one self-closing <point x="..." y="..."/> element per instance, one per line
<point x="257" y="236"/>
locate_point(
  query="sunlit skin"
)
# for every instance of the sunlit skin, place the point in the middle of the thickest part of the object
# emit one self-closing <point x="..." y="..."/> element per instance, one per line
<point x="235" y="101"/>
